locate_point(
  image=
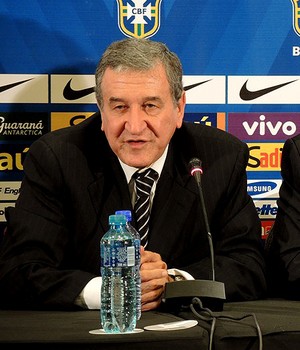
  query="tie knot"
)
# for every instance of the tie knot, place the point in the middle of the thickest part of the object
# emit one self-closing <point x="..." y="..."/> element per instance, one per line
<point x="147" y="177"/>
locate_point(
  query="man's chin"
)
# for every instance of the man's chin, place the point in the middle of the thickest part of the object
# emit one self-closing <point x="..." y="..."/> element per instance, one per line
<point x="135" y="162"/>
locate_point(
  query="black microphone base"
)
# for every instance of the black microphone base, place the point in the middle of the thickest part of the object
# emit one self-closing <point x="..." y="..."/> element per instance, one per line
<point x="180" y="294"/>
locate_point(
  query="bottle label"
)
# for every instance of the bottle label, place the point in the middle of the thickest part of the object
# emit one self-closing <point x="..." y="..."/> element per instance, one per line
<point x="137" y="244"/>
<point x="118" y="254"/>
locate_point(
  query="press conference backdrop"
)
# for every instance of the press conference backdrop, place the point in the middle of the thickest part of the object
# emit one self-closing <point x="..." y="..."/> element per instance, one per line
<point x="242" y="58"/>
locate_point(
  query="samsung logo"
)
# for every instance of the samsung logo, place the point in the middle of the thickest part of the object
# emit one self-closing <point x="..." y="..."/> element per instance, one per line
<point x="264" y="188"/>
<point x="261" y="187"/>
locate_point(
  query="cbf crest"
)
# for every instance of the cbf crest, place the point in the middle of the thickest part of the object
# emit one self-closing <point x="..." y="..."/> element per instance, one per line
<point x="139" y="18"/>
<point x="296" y="16"/>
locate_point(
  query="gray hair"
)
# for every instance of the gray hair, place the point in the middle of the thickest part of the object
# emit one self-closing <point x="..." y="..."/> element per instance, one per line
<point x="140" y="55"/>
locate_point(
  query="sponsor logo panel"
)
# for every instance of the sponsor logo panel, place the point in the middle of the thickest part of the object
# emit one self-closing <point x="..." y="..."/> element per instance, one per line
<point x="266" y="226"/>
<point x="264" y="126"/>
<point x="12" y="156"/>
<point x="205" y="89"/>
<point x="23" y="88"/>
<point x="2" y="210"/>
<point x="23" y="125"/>
<point x="9" y="190"/>
<point x="263" y="188"/>
<point x="139" y="19"/>
<point x="263" y="89"/>
<point x="210" y="119"/>
<point x="266" y="208"/>
<point x="63" y="119"/>
<point x="73" y="89"/>
<point x="265" y="156"/>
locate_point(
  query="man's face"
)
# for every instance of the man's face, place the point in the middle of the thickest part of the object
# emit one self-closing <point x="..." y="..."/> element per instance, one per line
<point x="139" y="115"/>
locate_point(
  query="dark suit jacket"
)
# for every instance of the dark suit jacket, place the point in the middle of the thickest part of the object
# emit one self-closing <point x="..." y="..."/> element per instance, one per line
<point x="283" y="243"/>
<point x="73" y="182"/>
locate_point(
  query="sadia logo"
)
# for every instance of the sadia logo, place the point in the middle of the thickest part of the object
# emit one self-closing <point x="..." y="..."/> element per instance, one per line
<point x="139" y="20"/>
<point x="296" y="16"/>
<point x="63" y="119"/>
<point x="265" y="156"/>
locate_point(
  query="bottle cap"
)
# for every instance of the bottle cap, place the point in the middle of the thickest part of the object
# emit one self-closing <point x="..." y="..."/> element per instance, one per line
<point x="127" y="213"/>
<point x="117" y="219"/>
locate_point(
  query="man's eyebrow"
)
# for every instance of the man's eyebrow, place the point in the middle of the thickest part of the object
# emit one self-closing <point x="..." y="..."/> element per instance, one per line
<point x="152" y="98"/>
<point x="115" y="99"/>
<point x="147" y="98"/>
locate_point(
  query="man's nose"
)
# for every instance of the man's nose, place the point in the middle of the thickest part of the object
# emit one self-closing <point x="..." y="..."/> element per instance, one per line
<point x="135" y="121"/>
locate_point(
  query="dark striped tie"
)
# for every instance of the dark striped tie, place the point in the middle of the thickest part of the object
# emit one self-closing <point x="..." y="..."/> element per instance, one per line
<point x="143" y="182"/>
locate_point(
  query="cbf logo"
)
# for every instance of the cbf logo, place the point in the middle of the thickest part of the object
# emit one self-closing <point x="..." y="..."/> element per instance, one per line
<point x="296" y="16"/>
<point x="139" y="18"/>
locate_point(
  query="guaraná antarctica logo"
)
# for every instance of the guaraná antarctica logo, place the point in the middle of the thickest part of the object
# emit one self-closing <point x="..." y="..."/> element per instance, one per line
<point x="140" y="20"/>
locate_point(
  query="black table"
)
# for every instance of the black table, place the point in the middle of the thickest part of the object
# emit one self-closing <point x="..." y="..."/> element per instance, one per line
<point x="50" y="329"/>
<point x="279" y="321"/>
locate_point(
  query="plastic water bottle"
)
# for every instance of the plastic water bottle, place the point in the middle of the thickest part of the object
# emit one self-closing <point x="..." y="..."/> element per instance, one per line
<point x="137" y="243"/>
<point x="118" y="292"/>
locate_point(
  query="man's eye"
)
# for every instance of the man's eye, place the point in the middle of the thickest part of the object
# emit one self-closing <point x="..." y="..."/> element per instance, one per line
<point x="150" y="106"/>
<point x="119" y="107"/>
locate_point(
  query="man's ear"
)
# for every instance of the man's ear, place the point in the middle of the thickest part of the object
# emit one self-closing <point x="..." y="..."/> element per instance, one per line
<point x="180" y="109"/>
<point x="98" y="105"/>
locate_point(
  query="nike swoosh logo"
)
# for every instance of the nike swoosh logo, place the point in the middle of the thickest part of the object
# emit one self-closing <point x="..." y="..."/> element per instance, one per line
<point x="70" y="94"/>
<point x="12" y="85"/>
<point x="248" y="95"/>
<point x="189" y="87"/>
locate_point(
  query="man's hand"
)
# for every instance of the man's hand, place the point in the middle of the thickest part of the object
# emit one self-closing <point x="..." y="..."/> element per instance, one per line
<point x="154" y="276"/>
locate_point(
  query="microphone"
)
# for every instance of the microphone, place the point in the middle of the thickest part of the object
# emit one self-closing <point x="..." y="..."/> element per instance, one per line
<point x="195" y="166"/>
<point x="210" y="292"/>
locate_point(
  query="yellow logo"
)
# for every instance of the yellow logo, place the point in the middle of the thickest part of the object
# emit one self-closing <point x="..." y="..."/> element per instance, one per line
<point x="63" y="119"/>
<point x="135" y="19"/>
<point x="296" y="16"/>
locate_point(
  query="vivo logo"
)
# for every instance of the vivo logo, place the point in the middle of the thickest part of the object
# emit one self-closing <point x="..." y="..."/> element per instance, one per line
<point x="261" y="187"/>
<point x="262" y="127"/>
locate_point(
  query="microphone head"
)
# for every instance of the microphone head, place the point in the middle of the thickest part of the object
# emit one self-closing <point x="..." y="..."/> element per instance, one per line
<point x="195" y="166"/>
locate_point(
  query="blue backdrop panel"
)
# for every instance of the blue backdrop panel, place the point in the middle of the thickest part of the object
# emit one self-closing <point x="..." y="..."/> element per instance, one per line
<point x="245" y="53"/>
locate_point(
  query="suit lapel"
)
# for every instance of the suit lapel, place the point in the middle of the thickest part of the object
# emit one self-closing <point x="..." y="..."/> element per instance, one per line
<point x="109" y="192"/>
<point x="172" y="204"/>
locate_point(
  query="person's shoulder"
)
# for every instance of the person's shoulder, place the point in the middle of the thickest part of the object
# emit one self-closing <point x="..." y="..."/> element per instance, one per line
<point x="291" y="148"/>
<point x="83" y="135"/>
<point x="295" y="140"/>
<point x="87" y="126"/>
<point x="210" y="133"/>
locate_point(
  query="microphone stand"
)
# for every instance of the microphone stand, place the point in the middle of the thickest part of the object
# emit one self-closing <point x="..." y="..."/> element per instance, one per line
<point x="178" y="294"/>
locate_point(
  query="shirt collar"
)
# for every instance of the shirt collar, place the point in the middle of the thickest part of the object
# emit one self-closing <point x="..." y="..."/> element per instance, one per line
<point x="157" y="166"/>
